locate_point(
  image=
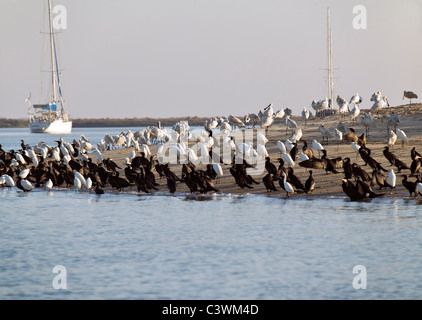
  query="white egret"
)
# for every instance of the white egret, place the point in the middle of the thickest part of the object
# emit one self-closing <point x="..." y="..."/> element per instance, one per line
<point x="392" y="178"/>
<point x="402" y="136"/>
<point x="26" y="185"/>
<point x="391" y="139"/>
<point x="49" y="184"/>
<point x="281" y="146"/>
<point x="288" y="159"/>
<point x="24" y="173"/>
<point x="287" y="186"/>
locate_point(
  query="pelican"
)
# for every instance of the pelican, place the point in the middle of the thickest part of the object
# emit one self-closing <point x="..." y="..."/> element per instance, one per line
<point x="409" y="95"/>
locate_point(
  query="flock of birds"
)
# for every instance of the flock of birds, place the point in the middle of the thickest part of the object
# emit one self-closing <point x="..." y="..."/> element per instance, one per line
<point x="69" y="164"/>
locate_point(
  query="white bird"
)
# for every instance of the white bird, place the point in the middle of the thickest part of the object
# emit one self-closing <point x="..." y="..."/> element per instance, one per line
<point x="49" y="184"/>
<point x="419" y="188"/>
<point x="289" y="123"/>
<point x="98" y="155"/>
<point x="392" y="178"/>
<point x="402" y="136"/>
<point x="287" y="186"/>
<point x="279" y="114"/>
<point x="281" y="146"/>
<point x="355" y="148"/>
<point x="354" y="113"/>
<point x="88" y="183"/>
<point x="9" y="181"/>
<point x="317" y="146"/>
<point x="80" y="178"/>
<point x="367" y="121"/>
<point x="266" y="122"/>
<point x="132" y="155"/>
<point x="77" y="183"/>
<point x="325" y="132"/>
<point x="289" y="145"/>
<point x="305" y="114"/>
<point x="303" y="156"/>
<point x="20" y="158"/>
<point x="24" y="173"/>
<point x="376" y="96"/>
<point x="217" y="168"/>
<point x="288" y="159"/>
<point x="261" y="139"/>
<point x="343" y="106"/>
<point x="356" y="99"/>
<point x="35" y="161"/>
<point x="392" y="138"/>
<point x="262" y="151"/>
<point x="297" y="135"/>
<point x="378" y="105"/>
<point x="26" y="185"/>
<point x="44" y="152"/>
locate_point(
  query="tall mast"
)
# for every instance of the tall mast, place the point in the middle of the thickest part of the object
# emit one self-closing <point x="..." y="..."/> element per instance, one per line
<point x="330" y="66"/>
<point x="53" y="57"/>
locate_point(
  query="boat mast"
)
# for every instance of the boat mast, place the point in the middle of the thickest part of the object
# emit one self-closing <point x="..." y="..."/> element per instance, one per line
<point x="330" y="66"/>
<point x="53" y="57"/>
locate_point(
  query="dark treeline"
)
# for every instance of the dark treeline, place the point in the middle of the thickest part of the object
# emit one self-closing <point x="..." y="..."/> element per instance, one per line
<point x="109" y="122"/>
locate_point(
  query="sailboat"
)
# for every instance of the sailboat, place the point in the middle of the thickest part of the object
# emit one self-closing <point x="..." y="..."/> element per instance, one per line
<point x="50" y="117"/>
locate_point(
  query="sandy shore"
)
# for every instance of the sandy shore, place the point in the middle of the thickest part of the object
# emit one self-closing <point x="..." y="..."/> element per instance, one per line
<point x="327" y="185"/>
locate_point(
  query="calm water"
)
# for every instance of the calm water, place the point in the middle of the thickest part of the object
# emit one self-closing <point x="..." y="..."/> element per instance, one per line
<point x="128" y="246"/>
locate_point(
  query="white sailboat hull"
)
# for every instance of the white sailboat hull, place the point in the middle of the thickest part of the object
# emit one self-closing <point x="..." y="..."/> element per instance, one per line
<point x="56" y="127"/>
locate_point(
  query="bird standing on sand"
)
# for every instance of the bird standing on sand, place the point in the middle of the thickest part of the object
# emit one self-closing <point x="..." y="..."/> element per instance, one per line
<point x="409" y="95"/>
<point x="286" y="186"/>
<point x="391" y="139"/>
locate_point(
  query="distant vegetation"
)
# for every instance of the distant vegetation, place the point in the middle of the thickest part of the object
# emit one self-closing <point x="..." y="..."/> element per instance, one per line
<point x="108" y="122"/>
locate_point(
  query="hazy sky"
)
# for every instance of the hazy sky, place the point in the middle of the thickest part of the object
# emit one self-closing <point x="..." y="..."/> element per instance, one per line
<point x="161" y="58"/>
